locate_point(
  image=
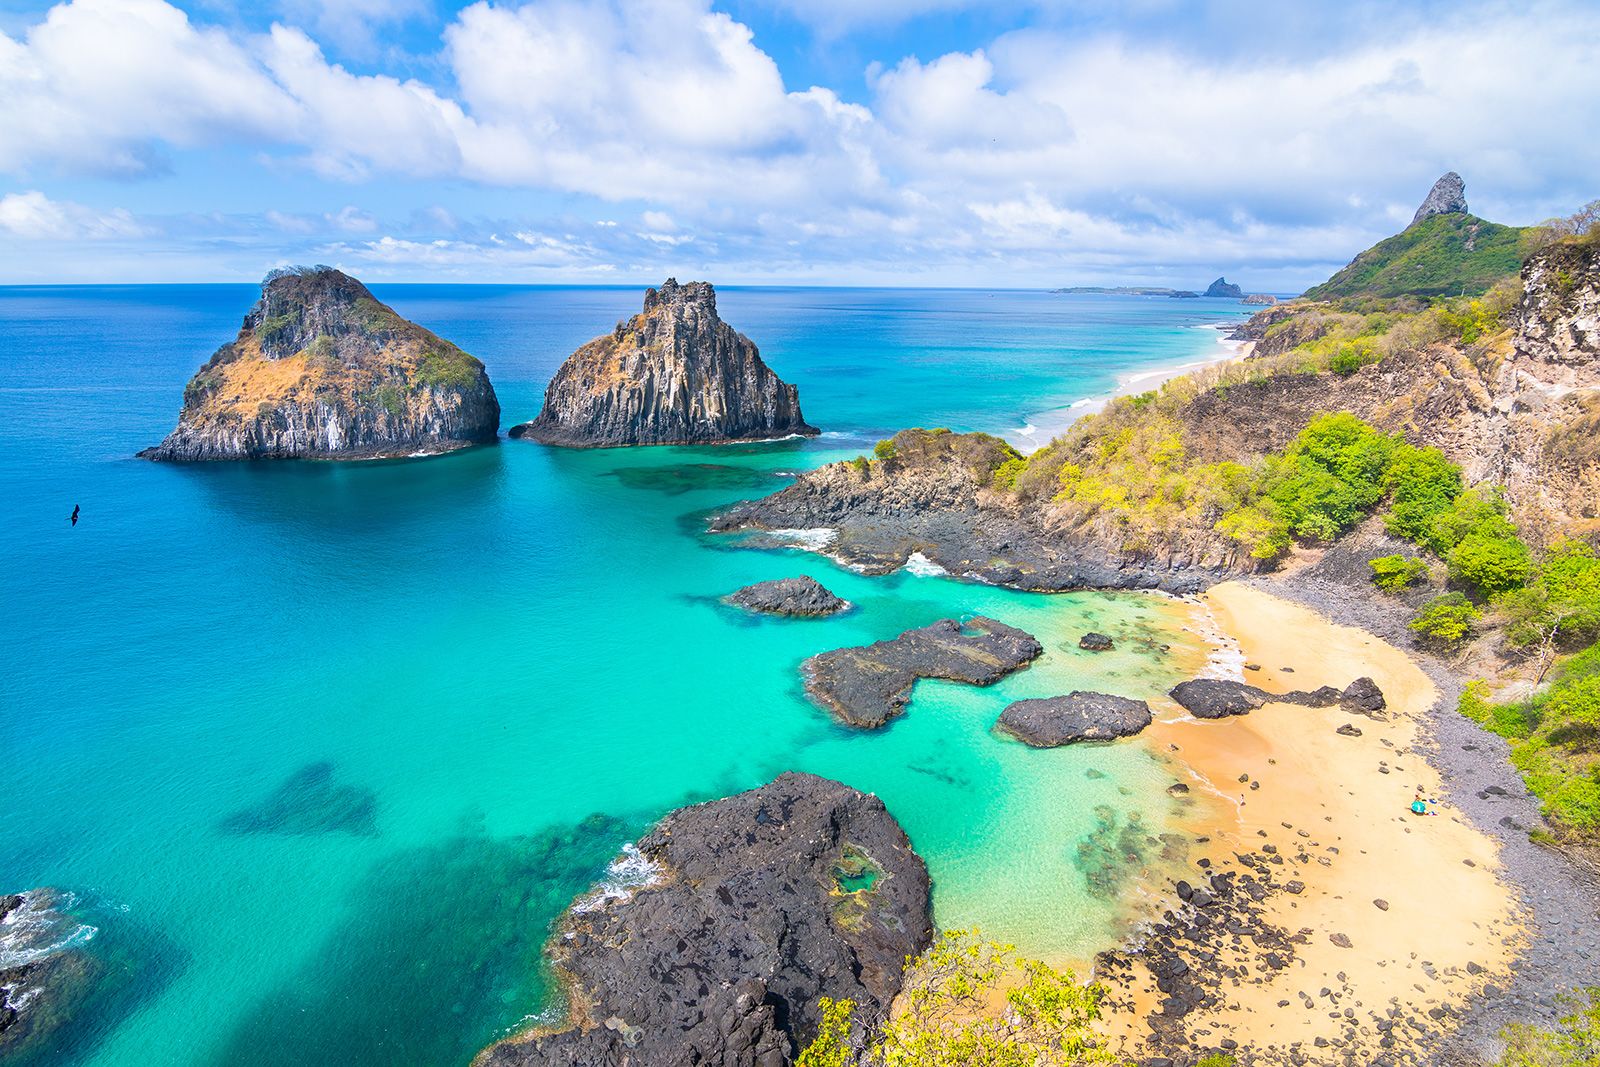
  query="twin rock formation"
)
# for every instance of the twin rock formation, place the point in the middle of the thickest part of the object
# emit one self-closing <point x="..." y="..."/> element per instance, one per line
<point x="322" y="370"/>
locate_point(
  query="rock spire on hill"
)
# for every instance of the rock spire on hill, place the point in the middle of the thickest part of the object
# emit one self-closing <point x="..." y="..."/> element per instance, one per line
<point x="1447" y="197"/>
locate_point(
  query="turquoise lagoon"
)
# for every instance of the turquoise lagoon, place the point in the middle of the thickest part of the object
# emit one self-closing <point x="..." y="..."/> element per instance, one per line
<point x="321" y="750"/>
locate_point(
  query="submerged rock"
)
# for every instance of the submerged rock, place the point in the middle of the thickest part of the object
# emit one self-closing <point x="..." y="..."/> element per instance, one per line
<point x="322" y="370"/>
<point x="803" y="596"/>
<point x="869" y="685"/>
<point x="1093" y="642"/>
<point x="1063" y="720"/>
<point x="759" y="905"/>
<point x="1447" y="197"/>
<point x="310" y="802"/>
<point x="673" y="374"/>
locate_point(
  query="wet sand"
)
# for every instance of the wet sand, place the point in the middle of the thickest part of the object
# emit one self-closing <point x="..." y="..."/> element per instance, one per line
<point x="1334" y="810"/>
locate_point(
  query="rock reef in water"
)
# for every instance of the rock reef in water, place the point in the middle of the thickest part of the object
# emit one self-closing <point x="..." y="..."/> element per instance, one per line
<point x="1260" y="300"/>
<point x="758" y="905"/>
<point x="866" y="687"/>
<point x="804" y="597"/>
<point x="1218" y="698"/>
<point x="1447" y="197"/>
<point x="310" y="801"/>
<point x="1225" y="289"/>
<point x="1064" y="720"/>
<point x="1096" y="642"/>
<point x="673" y="374"/>
<point x="322" y="370"/>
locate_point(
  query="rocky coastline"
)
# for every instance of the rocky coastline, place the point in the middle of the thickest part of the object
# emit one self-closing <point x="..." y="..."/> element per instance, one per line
<point x="743" y="912"/>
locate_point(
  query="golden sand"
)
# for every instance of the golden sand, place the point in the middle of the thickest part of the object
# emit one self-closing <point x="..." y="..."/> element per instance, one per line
<point x="1350" y="799"/>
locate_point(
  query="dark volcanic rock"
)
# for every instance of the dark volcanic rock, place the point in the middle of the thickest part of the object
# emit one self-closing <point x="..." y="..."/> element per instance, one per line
<point x="1224" y="288"/>
<point x="802" y="596"/>
<point x="1363" y="697"/>
<point x="1217" y="698"/>
<point x="673" y="374"/>
<point x="322" y="370"/>
<point x="870" y="685"/>
<point x="933" y="497"/>
<point x="310" y="802"/>
<point x="754" y="913"/>
<point x="1055" y="721"/>
<point x="1093" y="642"/>
<point x="1447" y="197"/>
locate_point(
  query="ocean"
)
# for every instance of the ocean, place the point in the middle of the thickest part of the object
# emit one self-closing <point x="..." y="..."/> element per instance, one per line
<point x="315" y="753"/>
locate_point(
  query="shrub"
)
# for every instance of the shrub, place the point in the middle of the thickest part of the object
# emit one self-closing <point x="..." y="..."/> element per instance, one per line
<point x="861" y="464"/>
<point x="1574" y="1041"/>
<point x="1005" y="475"/>
<point x="1394" y="573"/>
<point x="885" y="449"/>
<point x="1217" y="1059"/>
<point x="1422" y="486"/>
<point x="1446" y="620"/>
<point x="1490" y="562"/>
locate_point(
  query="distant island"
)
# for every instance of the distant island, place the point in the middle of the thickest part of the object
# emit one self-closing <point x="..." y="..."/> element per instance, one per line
<point x="1221" y="288"/>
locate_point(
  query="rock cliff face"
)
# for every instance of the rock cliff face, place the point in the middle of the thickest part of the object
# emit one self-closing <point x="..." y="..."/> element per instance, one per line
<point x="322" y="370"/>
<point x="673" y="374"/>
<point x="755" y="906"/>
<point x="1558" y="321"/>
<point x="1447" y="197"/>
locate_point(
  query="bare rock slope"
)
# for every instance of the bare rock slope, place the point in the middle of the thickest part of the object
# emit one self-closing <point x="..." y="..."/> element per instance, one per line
<point x="673" y="374"/>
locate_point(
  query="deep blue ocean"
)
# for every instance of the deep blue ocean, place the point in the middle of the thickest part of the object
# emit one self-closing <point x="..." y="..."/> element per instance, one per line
<point x="316" y="752"/>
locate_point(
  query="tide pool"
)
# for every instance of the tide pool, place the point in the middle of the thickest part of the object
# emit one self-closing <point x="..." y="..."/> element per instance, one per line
<point x="323" y="749"/>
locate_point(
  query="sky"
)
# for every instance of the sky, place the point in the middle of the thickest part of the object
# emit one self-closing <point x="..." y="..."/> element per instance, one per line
<point x="857" y="142"/>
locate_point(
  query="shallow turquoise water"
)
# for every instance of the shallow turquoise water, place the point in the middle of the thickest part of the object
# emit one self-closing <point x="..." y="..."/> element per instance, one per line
<point x="512" y="659"/>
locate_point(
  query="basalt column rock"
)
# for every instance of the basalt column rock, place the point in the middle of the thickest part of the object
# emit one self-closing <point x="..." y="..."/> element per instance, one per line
<point x="673" y="374"/>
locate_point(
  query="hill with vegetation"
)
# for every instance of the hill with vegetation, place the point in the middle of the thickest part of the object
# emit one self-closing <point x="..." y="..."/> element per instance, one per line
<point x="1442" y="255"/>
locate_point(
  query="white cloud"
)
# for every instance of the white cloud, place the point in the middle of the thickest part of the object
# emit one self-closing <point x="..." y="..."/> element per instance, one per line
<point x="34" y="216"/>
<point x="1049" y="147"/>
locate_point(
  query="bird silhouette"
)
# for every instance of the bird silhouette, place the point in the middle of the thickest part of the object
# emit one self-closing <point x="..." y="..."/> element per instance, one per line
<point x="75" y="514"/>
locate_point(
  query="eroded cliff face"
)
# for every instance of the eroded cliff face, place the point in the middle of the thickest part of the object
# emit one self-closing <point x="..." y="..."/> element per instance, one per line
<point x="673" y="374"/>
<point x="322" y="370"/>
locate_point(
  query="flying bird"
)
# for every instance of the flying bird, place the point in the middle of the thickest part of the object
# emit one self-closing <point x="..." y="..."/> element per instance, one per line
<point x="75" y="514"/>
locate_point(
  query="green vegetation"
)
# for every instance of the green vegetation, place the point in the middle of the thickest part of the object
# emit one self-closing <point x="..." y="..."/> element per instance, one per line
<point x="951" y="1018"/>
<point x="862" y="464"/>
<point x="447" y="367"/>
<point x="1217" y="1059"/>
<point x="1394" y="573"/>
<point x="1444" y="255"/>
<point x="276" y="328"/>
<point x="1005" y="475"/>
<point x="1559" y="608"/>
<point x="886" y="449"/>
<point x="1573" y="1042"/>
<point x="389" y="396"/>
<point x="374" y="317"/>
<point x="1446" y="621"/>
<point x="1555" y="740"/>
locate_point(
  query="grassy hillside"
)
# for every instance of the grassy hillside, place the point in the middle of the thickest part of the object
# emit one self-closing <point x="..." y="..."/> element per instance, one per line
<point x="1445" y="255"/>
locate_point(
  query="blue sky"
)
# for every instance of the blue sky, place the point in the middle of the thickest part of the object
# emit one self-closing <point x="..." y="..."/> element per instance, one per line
<point x="912" y="142"/>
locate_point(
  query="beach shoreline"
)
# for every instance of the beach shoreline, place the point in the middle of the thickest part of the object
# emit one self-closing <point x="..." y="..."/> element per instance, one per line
<point x="1044" y="426"/>
<point x="1381" y="922"/>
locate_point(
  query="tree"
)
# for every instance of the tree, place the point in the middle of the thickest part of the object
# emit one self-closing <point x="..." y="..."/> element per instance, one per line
<point x="1394" y="573"/>
<point x="951" y="1020"/>
<point x="1490" y="562"/>
<point x="885" y="449"/>
<point x="1423" y="485"/>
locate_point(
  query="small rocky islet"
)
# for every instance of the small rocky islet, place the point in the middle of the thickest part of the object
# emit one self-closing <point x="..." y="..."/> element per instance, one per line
<point x="674" y="374"/>
<point x="803" y="597"/>
<point x="322" y="370"/>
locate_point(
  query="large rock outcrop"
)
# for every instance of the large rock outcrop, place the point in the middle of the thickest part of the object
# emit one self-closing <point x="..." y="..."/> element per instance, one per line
<point x="673" y="374"/>
<point x="1447" y="197"/>
<point x="867" y="686"/>
<point x="322" y="370"/>
<point x="1050" y="722"/>
<point x="754" y="907"/>
<point x="1558" y="319"/>
<point x="1222" y="287"/>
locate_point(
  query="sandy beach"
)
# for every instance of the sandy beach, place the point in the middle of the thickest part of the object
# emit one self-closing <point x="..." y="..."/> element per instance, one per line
<point x="1400" y="918"/>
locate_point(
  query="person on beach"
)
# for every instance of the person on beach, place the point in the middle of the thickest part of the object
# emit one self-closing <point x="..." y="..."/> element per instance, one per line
<point x="1418" y="805"/>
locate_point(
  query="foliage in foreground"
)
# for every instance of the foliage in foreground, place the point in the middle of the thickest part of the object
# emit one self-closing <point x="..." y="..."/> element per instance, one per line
<point x="971" y="1003"/>
<point x="1555" y="740"/>
<point x="1573" y="1042"/>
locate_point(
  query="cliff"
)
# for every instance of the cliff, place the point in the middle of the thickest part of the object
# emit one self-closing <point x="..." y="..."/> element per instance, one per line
<point x="673" y="374"/>
<point x="749" y="910"/>
<point x="322" y="370"/>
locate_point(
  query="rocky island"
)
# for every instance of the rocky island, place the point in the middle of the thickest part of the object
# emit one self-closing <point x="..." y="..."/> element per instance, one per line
<point x="322" y="370"/>
<point x="803" y="597"/>
<point x="755" y="907"/>
<point x="674" y="374"/>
